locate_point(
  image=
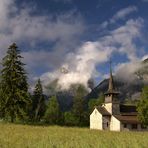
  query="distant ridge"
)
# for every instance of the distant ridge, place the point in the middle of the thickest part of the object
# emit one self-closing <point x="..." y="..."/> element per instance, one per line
<point x="127" y="90"/>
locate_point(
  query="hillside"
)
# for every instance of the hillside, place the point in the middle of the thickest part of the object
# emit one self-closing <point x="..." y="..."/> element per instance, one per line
<point x="128" y="90"/>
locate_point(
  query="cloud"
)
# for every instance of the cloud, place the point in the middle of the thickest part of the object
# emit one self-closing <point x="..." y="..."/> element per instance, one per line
<point x="104" y="25"/>
<point x="81" y="65"/>
<point x="58" y="33"/>
<point x="19" y="25"/>
<point x="61" y="34"/>
<point x="126" y="71"/>
<point x="123" y="13"/>
<point x="122" y="38"/>
<point x="144" y="57"/>
<point x="63" y="1"/>
<point x="145" y="0"/>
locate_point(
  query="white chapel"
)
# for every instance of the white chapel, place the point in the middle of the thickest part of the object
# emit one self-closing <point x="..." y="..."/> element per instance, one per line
<point x="112" y="115"/>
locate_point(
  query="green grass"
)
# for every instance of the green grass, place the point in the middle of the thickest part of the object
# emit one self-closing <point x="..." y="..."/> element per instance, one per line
<point x="25" y="136"/>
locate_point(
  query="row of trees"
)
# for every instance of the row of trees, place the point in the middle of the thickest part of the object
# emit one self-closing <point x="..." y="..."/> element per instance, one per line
<point x="17" y="104"/>
<point x="51" y="113"/>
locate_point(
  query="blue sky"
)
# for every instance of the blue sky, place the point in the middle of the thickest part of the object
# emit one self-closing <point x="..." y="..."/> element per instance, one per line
<point x="76" y="36"/>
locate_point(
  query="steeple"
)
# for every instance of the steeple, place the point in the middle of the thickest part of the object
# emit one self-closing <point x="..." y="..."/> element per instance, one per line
<point x="112" y="104"/>
<point x="111" y="94"/>
<point x="111" y="82"/>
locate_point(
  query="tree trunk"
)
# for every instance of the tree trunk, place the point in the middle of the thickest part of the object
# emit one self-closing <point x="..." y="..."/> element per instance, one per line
<point x="36" y="112"/>
<point x="38" y="109"/>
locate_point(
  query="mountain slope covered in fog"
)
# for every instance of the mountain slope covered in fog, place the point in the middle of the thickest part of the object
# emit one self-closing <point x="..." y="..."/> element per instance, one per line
<point x="128" y="90"/>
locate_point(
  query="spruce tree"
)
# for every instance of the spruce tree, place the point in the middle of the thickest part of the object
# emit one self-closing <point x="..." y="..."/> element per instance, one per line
<point x="96" y="102"/>
<point x="79" y="106"/>
<point x="38" y="103"/>
<point x="14" y="87"/>
<point x="52" y="114"/>
<point x="143" y="106"/>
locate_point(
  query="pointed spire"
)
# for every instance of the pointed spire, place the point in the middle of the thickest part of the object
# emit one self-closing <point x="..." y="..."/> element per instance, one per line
<point x="111" y="83"/>
<point x="111" y="96"/>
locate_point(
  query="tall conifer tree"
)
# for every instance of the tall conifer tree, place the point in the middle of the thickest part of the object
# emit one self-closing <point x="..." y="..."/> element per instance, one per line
<point x="79" y="105"/>
<point x="14" y="87"/>
<point x="38" y="103"/>
<point x="143" y="106"/>
<point x="52" y="114"/>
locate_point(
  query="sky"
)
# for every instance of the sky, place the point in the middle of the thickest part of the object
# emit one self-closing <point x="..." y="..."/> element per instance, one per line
<point x="73" y="40"/>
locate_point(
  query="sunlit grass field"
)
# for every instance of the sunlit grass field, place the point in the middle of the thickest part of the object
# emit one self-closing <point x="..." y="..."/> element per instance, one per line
<point x="25" y="136"/>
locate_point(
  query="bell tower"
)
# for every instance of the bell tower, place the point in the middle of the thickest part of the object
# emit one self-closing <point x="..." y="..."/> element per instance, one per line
<point x="112" y="103"/>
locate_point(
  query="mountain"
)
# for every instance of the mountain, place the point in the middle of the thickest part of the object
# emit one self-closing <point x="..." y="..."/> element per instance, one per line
<point x="142" y="73"/>
<point x="127" y="90"/>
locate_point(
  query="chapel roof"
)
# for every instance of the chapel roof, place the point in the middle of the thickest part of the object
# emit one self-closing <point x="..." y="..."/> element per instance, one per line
<point x="127" y="118"/>
<point x="103" y="111"/>
<point x="128" y="114"/>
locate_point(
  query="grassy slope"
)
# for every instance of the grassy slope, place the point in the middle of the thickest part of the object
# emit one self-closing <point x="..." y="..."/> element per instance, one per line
<point x="24" y="136"/>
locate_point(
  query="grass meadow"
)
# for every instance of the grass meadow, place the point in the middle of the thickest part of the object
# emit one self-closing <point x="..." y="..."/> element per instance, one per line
<point x="27" y="136"/>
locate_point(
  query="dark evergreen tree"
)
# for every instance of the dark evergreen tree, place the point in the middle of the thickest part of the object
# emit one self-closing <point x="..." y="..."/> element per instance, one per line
<point x="52" y="114"/>
<point x="96" y="102"/>
<point x="70" y="119"/>
<point x="79" y="106"/>
<point x="14" y="87"/>
<point x="143" y="106"/>
<point x="38" y="102"/>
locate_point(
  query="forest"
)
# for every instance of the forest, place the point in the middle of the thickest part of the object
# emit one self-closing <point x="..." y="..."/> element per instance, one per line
<point x="19" y="105"/>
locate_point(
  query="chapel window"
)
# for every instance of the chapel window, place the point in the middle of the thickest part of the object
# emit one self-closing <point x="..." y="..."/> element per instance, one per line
<point x="134" y="126"/>
<point x="125" y="125"/>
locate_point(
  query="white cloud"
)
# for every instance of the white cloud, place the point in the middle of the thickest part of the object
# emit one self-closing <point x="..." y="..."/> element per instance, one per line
<point x="145" y="0"/>
<point x="123" y="13"/>
<point x="122" y="38"/>
<point x="126" y="71"/>
<point x="144" y="57"/>
<point x="81" y="65"/>
<point x="20" y="26"/>
<point x="104" y="24"/>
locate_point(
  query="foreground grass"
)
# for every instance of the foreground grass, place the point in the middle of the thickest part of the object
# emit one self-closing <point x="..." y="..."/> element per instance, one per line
<point x="24" y="136"/>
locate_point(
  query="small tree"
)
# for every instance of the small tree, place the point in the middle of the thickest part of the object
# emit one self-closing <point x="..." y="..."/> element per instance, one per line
<point x="14" y="87"/>
<point x="52" y="113"/>
<point x="38" y="102"/>
<point x="143" y="106"/>
<point x="70" y="119"/>
<point x="96" y="102"/>
<point x="79" y="106"/>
